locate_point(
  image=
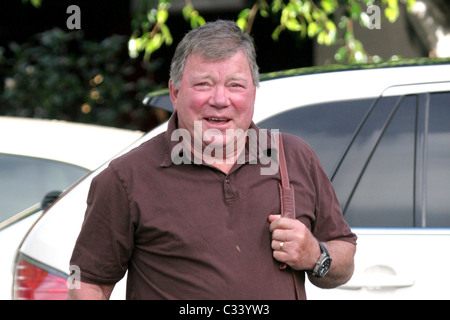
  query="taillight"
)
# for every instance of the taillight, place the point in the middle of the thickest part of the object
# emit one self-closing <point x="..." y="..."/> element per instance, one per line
<point x="32" y="282"/>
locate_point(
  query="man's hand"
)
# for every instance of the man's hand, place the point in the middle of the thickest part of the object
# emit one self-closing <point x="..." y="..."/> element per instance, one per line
<point x="294" y="244"/>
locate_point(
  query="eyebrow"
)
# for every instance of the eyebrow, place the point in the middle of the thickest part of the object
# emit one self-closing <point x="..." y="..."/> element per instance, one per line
<point x="208" y="75"/>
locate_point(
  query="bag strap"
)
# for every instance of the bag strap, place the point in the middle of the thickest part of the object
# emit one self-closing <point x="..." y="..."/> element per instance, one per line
<point x="286" y="189"/>
<point x="287" y="198"/>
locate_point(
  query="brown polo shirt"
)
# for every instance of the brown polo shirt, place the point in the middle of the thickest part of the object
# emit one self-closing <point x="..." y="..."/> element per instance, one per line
<point x="189" y="231"/>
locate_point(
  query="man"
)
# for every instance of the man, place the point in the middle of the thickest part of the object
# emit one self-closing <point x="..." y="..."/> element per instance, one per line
<point x="189" y="217"/>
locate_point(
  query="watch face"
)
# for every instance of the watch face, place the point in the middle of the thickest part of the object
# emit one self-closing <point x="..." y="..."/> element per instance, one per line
<point x="325" y="266"/>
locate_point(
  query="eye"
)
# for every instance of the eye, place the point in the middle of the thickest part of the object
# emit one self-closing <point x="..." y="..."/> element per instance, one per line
<point x="237" y="85"/>
<point x="202" y="85"/>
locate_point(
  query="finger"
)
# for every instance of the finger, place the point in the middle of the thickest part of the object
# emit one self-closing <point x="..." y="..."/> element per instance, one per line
<point x="278" y="245"/>
<point x="274" y="217"/>
<point x="276" y="222"/>
<point x="280" y="256"/>
<point x="280" y="235"/>
<point x="282" y="224"/>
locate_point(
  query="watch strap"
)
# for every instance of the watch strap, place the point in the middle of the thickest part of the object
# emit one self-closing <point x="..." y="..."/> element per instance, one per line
<point x="324" y="255"/>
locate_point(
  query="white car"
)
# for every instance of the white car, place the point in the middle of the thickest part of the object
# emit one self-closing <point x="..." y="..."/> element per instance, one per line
<point x="383" y="136"/>
<point x="38" y="160"/>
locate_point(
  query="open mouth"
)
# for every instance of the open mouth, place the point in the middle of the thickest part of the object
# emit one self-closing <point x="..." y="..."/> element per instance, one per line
<point x="217" y="120"/>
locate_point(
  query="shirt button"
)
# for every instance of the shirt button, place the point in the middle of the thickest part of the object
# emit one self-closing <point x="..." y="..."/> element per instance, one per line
<point x="227" y="180"/>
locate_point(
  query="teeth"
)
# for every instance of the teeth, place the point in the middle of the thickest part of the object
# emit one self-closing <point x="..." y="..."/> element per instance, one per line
<point x="217" y="119"/>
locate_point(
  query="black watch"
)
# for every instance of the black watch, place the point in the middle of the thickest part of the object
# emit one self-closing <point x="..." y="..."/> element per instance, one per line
<point x="323" y="264"/>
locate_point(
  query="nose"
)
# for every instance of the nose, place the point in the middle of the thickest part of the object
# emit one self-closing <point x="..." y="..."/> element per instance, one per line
<point x="219" y="97"/>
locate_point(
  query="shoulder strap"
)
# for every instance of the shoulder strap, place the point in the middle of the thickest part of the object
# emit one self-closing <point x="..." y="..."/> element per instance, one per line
<point x="286" y="189"/>
<point x="287" y="198"/>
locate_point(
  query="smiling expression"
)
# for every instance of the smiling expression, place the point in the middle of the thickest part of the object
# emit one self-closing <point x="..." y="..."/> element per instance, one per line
<point x="220" y="94"/>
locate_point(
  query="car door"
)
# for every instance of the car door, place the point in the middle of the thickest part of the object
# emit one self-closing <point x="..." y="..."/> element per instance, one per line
<point x="393" y="185"/>
<point x="392" y="177"/>
<point x="394" y="193"/>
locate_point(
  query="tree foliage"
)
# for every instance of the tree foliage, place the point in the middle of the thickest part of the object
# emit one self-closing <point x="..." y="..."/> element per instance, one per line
<point x="318" y="19"/>
<point x="61" y="75"/>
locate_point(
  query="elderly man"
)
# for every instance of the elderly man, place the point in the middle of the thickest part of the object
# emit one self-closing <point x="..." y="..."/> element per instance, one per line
<point x="193" y="224"/>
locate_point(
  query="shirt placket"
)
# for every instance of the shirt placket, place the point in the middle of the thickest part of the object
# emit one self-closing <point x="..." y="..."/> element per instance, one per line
<point x="230" y="191"/>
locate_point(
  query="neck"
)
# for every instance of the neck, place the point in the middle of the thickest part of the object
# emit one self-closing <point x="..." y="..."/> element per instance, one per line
<point x="221" y="158"/>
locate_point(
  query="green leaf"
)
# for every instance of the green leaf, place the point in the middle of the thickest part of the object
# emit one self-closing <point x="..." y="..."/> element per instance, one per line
<point x="329" y="6"/>
<point x="391" y="14"/>
<point x="321" y="37"/>
<point x="244" y="14"/>
<point x="201" y="21"/>
<point x="293" y="24"/>
<point x="151" y="16"/>
<point x="276" y="33"/>
<point x="242" y="23"/>
<point x="284" y="16"/>
<point x="36" y="3"/>
<point x="341" y="54"/>
<point x="293" y="7"/>
<point x="277" y="5"/>
<point x="410" y="4"/>
<point x="355" y="10"/>
<point x="187" y="10"/>
<point x="162" y="16"/>
<point x="313" y="29"/>
<point x="167" y="36"/>
<point x="264" y="13"/>
<point x="330" y="26"/>
<point x="156" y="42"/>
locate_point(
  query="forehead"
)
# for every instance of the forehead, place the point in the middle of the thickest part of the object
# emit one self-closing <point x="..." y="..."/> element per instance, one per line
<point x="198" y="61"/>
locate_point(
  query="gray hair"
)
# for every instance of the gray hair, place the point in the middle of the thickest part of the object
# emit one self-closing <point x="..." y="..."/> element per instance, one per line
<point x="213" y="41"/>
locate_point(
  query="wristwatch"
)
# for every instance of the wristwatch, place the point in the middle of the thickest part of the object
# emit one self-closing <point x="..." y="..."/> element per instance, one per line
<point x="323" y="264"/>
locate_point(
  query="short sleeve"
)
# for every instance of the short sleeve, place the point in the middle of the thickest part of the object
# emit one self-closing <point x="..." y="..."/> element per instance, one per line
<point x="329" y="220"/>
<point x="105" y="242"/>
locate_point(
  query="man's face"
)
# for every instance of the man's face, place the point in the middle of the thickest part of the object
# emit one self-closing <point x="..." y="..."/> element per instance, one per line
<point x="217" y="95"/>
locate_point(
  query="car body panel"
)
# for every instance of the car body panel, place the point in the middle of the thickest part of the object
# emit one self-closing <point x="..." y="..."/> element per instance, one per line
<point x="394" y="263"/>
<point x="339" y="85"/>
<point x="79" y="145"/>
<point x="63" y="141"/>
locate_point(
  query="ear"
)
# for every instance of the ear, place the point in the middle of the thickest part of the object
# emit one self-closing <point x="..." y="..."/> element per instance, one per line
<point x="173" y="94"/>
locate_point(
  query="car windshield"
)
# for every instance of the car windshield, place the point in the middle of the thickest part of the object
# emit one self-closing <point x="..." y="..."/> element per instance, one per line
<point x="24" y="181"/>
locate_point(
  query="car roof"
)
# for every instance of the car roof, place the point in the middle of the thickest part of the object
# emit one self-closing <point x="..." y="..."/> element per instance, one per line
<point x="84" y="145"/>
<point x="349" y="67"/>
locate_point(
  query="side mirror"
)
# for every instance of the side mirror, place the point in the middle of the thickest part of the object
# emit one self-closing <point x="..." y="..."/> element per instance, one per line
<point x="49" y="198"/>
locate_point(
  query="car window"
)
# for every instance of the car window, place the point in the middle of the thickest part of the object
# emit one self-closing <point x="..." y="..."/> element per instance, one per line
<point x="326" y="127"/>
<point x="438" y="162"/>
<point x="24" y="181"/>
<point x="383" y="195"/>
